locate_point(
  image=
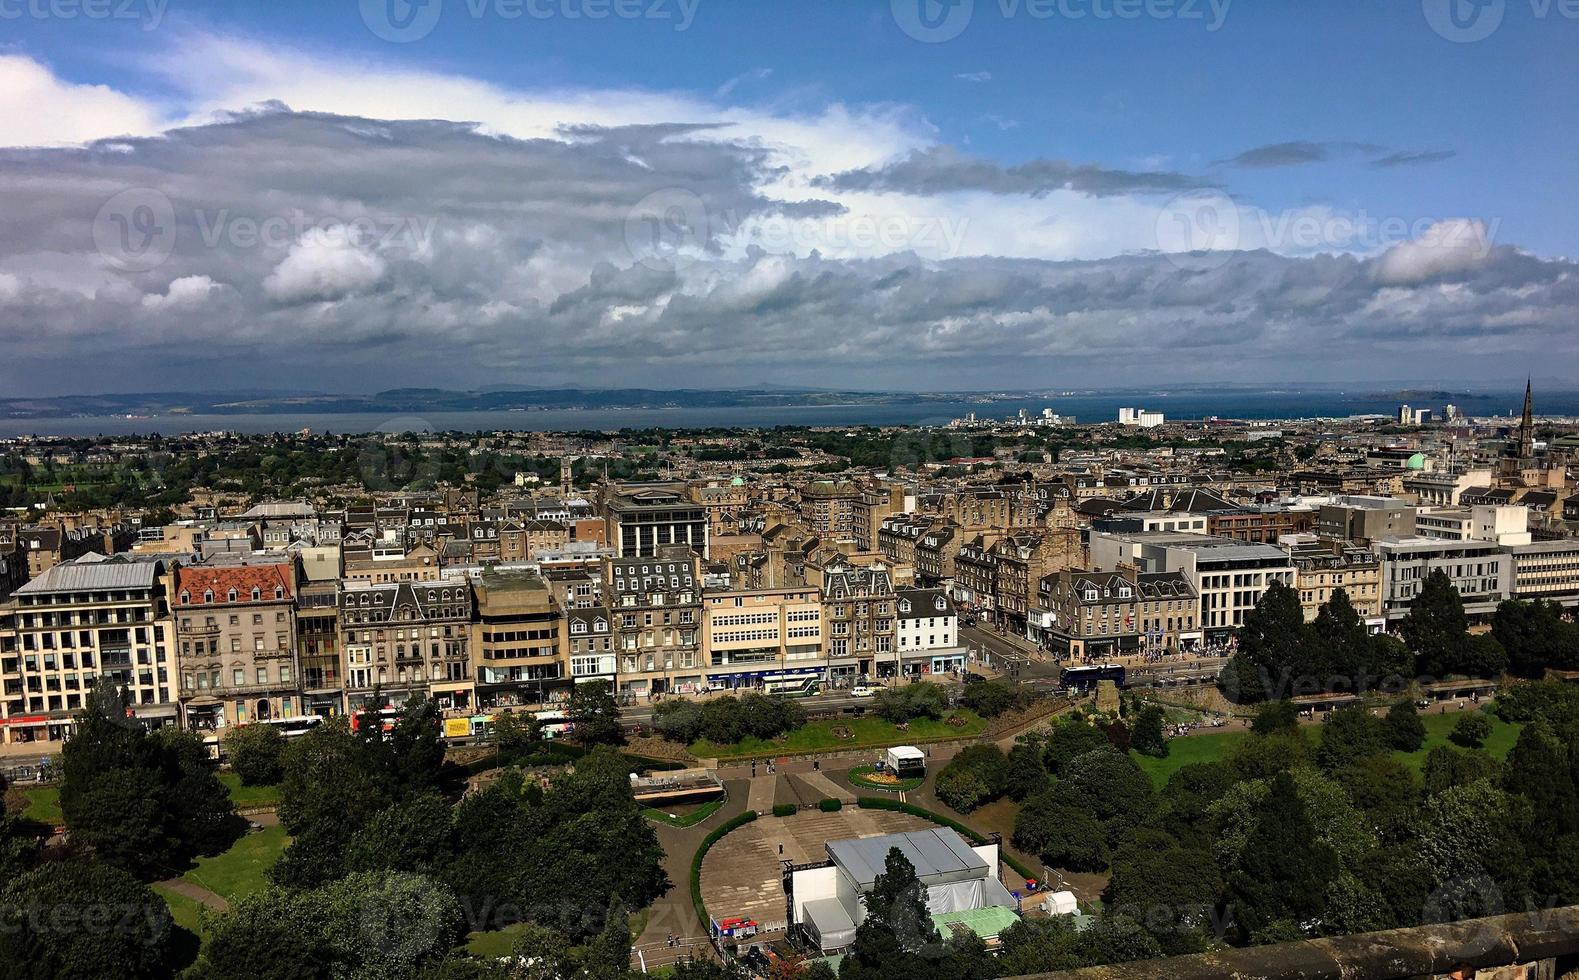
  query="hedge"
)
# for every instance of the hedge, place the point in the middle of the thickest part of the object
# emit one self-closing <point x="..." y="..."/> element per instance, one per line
<point x="733" y="823"/>
<point x="879" y="803"/>
<point x="783" y="809"/>
<point x="830" y="805"/>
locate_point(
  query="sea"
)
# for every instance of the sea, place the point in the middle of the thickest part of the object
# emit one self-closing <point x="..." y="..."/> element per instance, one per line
<point x="1086" y="408"/>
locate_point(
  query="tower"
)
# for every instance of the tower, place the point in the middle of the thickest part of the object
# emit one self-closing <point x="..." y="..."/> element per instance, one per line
<point x="1527" y="426"/>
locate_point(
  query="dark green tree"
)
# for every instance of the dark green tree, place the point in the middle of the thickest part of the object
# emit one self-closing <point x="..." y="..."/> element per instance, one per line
<point x="83" y="920"/>
<point x="897" y="930"/>
<point x="1274" y="717"/>
<point x="1403" y="728"/>
<point x="1285" y="868"/>
<point x="1146" y="736"/>
<point x="595" y="715"/>
<point x="1024" y="773"/>
<point x="1351" y="733"/>
<point x="1446" y="767"/>
<point x="255" y="754"/>
<point x="1471" y="731"/>
<point x="1272" y="649"/>
<point x="1538" y="769"/>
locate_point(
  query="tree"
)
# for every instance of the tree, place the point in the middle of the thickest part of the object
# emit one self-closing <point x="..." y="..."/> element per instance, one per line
<point x="83" y="920"/>
<point x="1024" y="773"/>
<point x="1385" y="789"/>
<point x="143" y="803"/>
<point x="1111" y="787"/>
<point x="595" y="715"/>
<point x="1471" y="841"/>
<point x="414" y="836"/>
<point x="918" y="700"/>
<point x="1535" y="637"/>
<point x="516" y="733"/>
<point x="412" y="752"/>
<point x="1061" y="833"/>
<point x="897" y="927"/>
<point x="1271" y="648"/>
<point x="1147" y="737"/>
<point x="1284" y="868"/>
<point x="1538" y="769"/>
<point x="1436" y="630"/>
<point x="1339" y="648"/>
<point x="977" y="775"/>
<point x="333" y="785"/>
<point x="1274" y="717"/>
<point x="255" y="753"/>
<point x="1172" y="891"/>
<point x="1351" y="733"/>
<point x="991" y="698"/>
<point x="1446" y="767"/>
<point x="1471" y="731"/>
<point x="1070" y="738"/>
<point x="1403" y="728"/>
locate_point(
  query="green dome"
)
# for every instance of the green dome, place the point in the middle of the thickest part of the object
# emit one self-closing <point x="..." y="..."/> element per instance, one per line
<point x="1416" y="462"/>
<point x="738" y="481"/>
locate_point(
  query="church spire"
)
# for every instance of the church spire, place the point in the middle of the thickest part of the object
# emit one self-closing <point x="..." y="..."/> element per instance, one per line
<point x="1527" y="425"/>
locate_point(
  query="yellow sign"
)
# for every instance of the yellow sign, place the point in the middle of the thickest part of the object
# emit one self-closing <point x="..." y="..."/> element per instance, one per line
<point x="457" y="727"/>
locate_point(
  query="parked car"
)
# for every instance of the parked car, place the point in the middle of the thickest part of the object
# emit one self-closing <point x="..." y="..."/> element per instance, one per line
<point x="863" y="691"/>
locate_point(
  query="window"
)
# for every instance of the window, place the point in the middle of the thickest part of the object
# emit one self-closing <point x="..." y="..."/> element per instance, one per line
<point x="238" y="677"/>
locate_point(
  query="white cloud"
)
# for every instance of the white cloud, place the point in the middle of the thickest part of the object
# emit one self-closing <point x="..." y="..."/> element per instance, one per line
<point x="1445" y="248"/>
<point x="317" y="269"/>
<point x="40" y="109"/>
<point x="185" y="293"/>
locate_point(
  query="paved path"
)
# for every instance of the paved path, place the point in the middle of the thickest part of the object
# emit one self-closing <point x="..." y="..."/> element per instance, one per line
<point x="760" y="798"/>
<point x="828" y="788"/>
<point x="196" y="892"/>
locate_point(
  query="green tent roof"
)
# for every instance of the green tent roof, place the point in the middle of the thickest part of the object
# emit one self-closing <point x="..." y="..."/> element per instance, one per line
<point x="986" y="923"/>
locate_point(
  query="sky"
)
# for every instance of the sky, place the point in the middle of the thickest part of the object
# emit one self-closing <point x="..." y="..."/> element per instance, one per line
<point x="353" y="195"/>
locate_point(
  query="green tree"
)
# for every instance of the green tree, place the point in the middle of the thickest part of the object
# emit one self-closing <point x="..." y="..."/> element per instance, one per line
<point x="1351" y="733"/>
<point x="1471" y="731"/>
<point x="1146" y="737"/>
<point x="1172" y="891"/>
<point x="1446" y="767"/>
<point x="1403" y="728"/>
<point x="333" y="785"/>
<point x="1061" y="833"/>
<point x="255" y="753"/>
<point x="1535" y="637"/>
<point x="1272" y="648"/>
<point x="143" y="803"/>
<point x="83" y="920"/>
<point x="516" y="734"/>
<point x="1024" y="773"/>
<point x="1070" y="738"/>
<point x="1274" y="717"/>
<point x="595" y="715"/>
<point x="415" y="836"/>
<point x="1285" y="869"/>
<point x="1538" y="769"/>
<point x="897" y="929"/>
<point x="1339" y="647"/>
<point x="977" y="775"/>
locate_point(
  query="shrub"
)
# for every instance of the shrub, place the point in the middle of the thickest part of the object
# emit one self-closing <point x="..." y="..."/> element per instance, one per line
<point x="979" y="774"/>
<point x="918" y="700"/>
<point x="726" y="720"/>
<point x="830" y="805"/>
<point x="992" y="698"/>
<point x="783" y="809"/>
<point x="1471" y="731"/>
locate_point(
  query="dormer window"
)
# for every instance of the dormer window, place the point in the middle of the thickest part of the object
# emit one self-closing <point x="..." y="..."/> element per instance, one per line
<point x="185" y="596"/>
<point x="208" y="595"/>
<point x="257" y="593"/>
<point x="279" y="592"/>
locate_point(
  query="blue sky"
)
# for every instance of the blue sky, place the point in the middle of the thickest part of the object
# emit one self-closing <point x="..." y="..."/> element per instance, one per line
<point x="1062" y="139"/>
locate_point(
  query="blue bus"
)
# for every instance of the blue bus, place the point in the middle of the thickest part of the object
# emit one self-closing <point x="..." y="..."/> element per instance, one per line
<point x="1085" y="677"/>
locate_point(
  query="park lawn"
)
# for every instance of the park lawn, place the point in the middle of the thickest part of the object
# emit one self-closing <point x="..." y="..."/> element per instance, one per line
<point x="43" y="805"/>
<point x="182" y="909"/>
<point x="1437" y="727"/>
<point x="1206" y="747"/>
<point x="238" y="872"/>
<point x="1216" y="746"/>
<point x="247" y="797"/>
<point x="869" y="732"/>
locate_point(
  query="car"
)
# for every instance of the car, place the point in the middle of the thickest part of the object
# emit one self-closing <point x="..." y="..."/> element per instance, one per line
<point x="863" y="692"/>
<point x="974" y="678"/>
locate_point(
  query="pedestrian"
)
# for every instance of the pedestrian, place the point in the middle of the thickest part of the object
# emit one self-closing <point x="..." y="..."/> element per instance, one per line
<point x="781" y="849"/>
<point x="753" y="769"/>
<point x="816" y="765"/>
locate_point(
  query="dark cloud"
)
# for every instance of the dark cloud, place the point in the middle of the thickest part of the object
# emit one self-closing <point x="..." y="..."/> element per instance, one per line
<point x="504" y="260"/>
<point x="943" y="169"/>
<point x="1297" y="153"/>
<point x="1406" y="158"/>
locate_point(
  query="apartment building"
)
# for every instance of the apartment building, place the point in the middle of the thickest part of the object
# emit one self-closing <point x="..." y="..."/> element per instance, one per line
<point x="389" y="560"/>
<point x="517" y="640"/>
<point x="236" y="635"/>
<point x="870" y="510"/>
<point x="656" y="603"/>
<point x="926" y="631"/>
<point x="1365" y="519"/>
<point x="642" y="518"/>
<point x="589" y="644"/>
<point x="767" y="638"/>
<point x="828" y="508"/>
<point x="1505" y="524"/>
<point x="859" y="618"/>
<point x="406" y="639"/>
<point x="79" y="620"/>
<point x="1322" y="569"/>
<point x="1099" y="614"/>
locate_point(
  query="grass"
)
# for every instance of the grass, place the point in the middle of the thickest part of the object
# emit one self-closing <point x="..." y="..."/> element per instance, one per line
<point x="1216" y="746"/>
<point x="494" y="943"/>
<point x="43" y="805"/>
<point x="861" y="776"/>
<point x="686" y="819"/>
<point x="1437" y="727"/>
<point x="247" y="797"/>
<point x="238" y="872"/>
<point x="869" y="732"/>
<point x="182" y="909"/>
